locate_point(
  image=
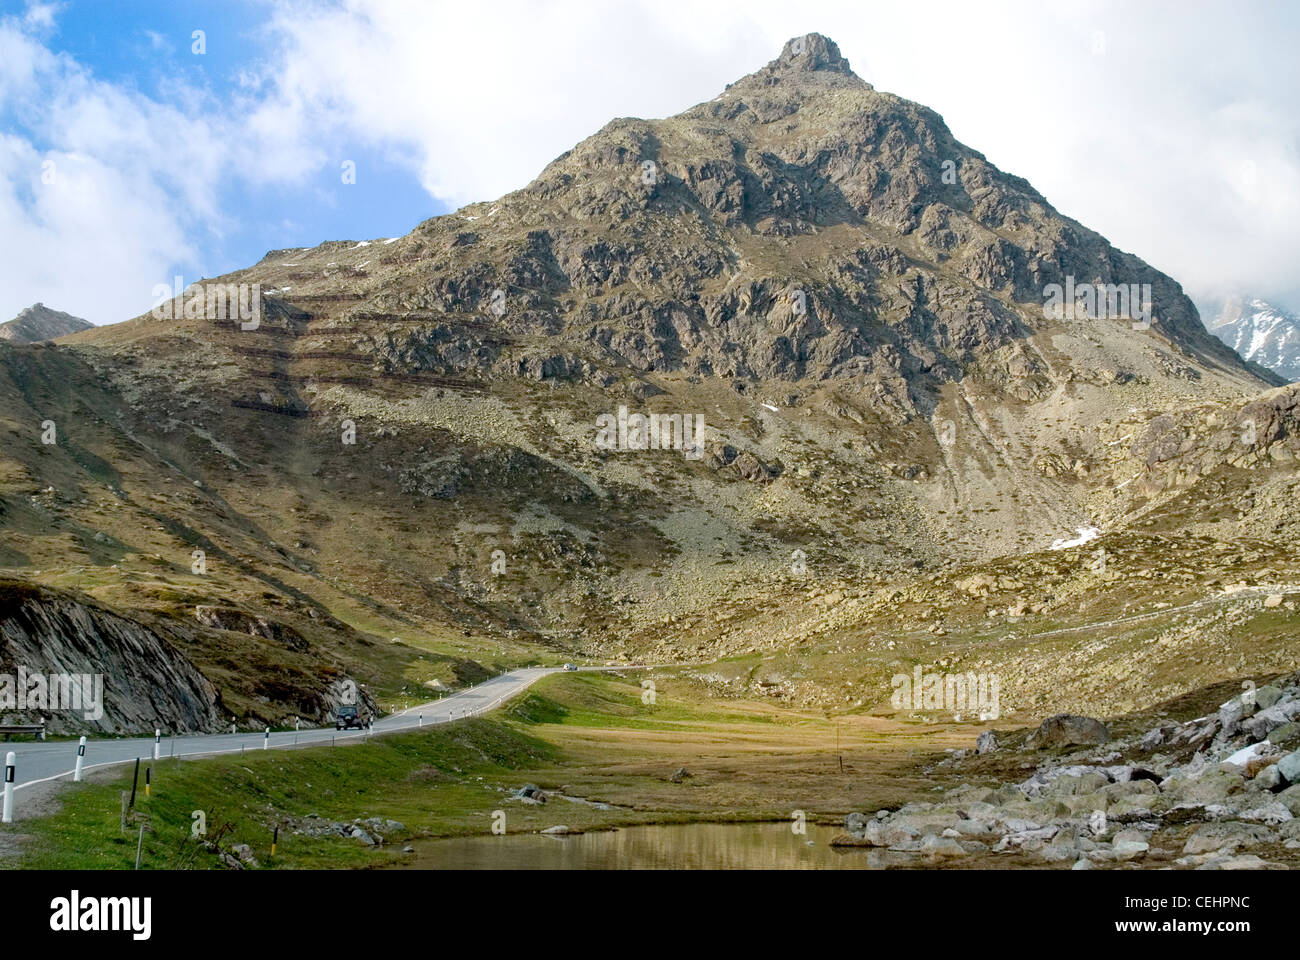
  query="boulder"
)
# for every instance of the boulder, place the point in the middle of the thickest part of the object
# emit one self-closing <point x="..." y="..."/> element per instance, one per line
<point x="1269" y="778"/>
<point x="358" y="834"/>
<point x="530" y="793"/>
<point x="1228" y="835"/>
<point x="1129" y="844"/>
<point x="1266" y="721"/>
<point x="1290" y="798"/>
<point x="1289" y="767"/>
<point x="1288" y="733"/>
<point x="941" y="848"/>
<point x="1068" y="730"/>
<point x="880" y="833"/>
<point x="1246" y="861"/>
<point x="986" y="742"/>
<point x="1267" y="696"/>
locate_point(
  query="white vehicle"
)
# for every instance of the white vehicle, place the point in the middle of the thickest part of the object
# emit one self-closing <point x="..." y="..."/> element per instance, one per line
<point x="569" y="666"/>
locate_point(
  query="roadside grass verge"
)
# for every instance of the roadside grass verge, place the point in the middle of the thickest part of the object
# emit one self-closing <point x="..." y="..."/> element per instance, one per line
<point x="432" y="778"/>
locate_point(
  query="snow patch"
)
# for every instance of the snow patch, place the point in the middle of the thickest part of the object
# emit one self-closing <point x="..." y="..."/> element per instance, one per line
<point x="1084" y="535"/>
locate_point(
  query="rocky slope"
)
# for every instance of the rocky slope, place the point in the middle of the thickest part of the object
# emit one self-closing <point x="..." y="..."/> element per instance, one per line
<point x="1208" y="791"/>
<point x="38" y="322"/>
<point x="403" y="443"/>
<point x="1262" y="333"/>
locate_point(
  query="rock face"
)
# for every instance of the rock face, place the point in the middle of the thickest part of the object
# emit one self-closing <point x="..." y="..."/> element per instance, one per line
<point x="146" y="681"/>
<point x="38" y="322"/>
<point x="644" y="241"/>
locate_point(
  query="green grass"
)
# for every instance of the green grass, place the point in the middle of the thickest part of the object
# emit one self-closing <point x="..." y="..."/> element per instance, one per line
<point x="592" y="700"/>
<point x="433" y="781"/>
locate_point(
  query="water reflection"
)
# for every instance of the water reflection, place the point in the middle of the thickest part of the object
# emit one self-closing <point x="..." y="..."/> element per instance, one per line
<point x="694" y="846"/>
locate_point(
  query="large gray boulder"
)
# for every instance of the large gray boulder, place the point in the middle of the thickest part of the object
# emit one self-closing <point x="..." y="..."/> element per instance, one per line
<point x="1067" y="730"/>
<point x="1289" y="767"/>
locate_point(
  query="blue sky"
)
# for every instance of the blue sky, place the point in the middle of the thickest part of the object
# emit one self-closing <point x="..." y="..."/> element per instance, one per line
<point x="147" y="47"/>
<point x="125" y="158"/>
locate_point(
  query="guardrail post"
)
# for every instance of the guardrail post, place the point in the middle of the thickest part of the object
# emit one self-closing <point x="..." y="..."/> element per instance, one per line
<point x="81" y="756"/>
<point x="8" y="816"/>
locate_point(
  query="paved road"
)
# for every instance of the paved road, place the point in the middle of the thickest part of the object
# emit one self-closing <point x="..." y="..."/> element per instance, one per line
<point x="37" y="762"/>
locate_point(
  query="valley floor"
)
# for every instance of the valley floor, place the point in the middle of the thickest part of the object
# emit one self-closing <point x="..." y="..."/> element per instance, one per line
<point x="586" y="752"/>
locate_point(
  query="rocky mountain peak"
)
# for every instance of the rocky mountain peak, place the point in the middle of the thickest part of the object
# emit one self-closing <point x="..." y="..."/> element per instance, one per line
<point x="38" y="322"/>
<point x="812" y="52"/>
<point x="811" y="59"/>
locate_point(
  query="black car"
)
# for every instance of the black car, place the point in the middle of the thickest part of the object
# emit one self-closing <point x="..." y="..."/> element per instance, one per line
<point x="348" y="716"/>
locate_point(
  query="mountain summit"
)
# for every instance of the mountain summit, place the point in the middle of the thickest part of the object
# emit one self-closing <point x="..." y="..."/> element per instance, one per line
<point x="809" y="53"/>
<point x="38" y="322"/>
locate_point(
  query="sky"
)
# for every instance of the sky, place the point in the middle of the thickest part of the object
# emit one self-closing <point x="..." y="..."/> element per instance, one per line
<point x="145" y="139"/>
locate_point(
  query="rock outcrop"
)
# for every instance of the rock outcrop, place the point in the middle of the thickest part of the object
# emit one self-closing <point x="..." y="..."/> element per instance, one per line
<point x="146" y="682"/>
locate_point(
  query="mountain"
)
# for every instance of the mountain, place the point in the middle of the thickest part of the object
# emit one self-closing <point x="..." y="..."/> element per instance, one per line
<point x="39" y="322"/>
<point x="1262" y="333"/>
<point x="416" y="460"/>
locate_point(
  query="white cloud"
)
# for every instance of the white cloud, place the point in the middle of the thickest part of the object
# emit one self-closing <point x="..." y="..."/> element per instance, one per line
<point x="106" y="191"/>
<point x="40" y="16"/>
<point x="480" y="96"/>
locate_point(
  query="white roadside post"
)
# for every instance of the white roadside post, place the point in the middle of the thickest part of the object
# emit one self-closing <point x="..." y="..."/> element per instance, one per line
<point x="421" y="720"/>
<point x="8" y="816"/>
<point x="157" y="743"/>
<point x="266" y="740"/>
<point x="81" y="756"/>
